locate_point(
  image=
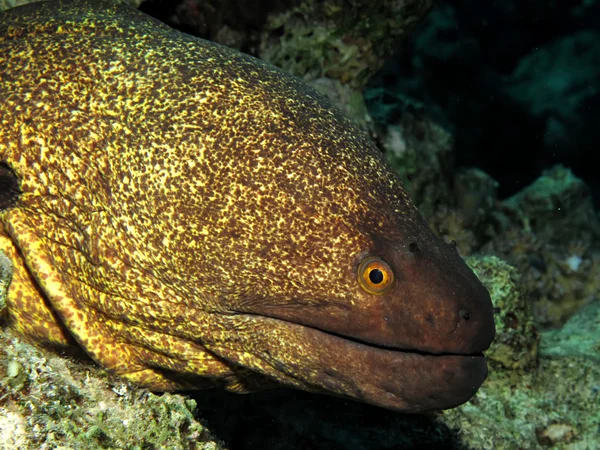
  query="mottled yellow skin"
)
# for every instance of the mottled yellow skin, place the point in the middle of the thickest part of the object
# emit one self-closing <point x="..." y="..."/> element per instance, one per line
<point x="193" y="217"/>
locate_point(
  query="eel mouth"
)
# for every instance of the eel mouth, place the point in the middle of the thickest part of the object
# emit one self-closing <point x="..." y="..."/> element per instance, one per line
<point x="389" y="347"/>
<point x="408" y="381"/>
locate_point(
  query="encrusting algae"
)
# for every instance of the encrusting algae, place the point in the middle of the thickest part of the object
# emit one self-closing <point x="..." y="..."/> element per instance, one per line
<point x="193" y="217"/>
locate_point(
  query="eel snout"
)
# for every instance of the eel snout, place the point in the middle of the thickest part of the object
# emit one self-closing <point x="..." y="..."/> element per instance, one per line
<point x="415" y="347"/>
<point x="436" y="304"/>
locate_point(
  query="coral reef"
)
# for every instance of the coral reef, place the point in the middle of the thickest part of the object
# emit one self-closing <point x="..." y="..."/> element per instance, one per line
<point x="542" y="390"/>
<point x="50" y="401"/>
<point x="421" y="152"/>
<point x="459" y="204"/>
<point x="556" y="201"/>
<point x="551" y="400"/>
<point x="517" y="341"/>
<point x="515" y="82"/>
<point x="554" y="406"/>
<point x="7" y="4"/>
<point x="470" y="220"/>
<point x="550" y="232"/>
<point x="344" y="40"/>
<point x="348" y="100"/>
<point x="578" y="337"/>
<point x="476" y="194"/>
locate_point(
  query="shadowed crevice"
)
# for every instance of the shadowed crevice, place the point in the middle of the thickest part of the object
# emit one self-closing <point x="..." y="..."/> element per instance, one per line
<point x="9" y="187"/>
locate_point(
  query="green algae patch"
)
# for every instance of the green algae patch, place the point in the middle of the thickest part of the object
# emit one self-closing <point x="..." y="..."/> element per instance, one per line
<point x="6" y="273"/>
<point x="345" y="40"/>
<point x="420" y="151"/>
<point x="517" y="341"/>
<point x="557" y="206"/>
<point x="538" y="394"/>
<point x="551" y="233"/>
<point x="48" y="401"/>
<point x="578" y="337"/>
<point x="554" y="406"/>
<point x="8" y="4"/>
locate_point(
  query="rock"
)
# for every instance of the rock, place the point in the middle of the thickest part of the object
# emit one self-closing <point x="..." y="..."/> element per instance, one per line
<point x="52" y="401"/>
<point x="577" y="337"/>
<point x="516" y="343"/>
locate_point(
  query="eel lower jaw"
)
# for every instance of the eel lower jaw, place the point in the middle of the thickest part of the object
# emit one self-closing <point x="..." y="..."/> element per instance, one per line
<point x="405" y="381"/>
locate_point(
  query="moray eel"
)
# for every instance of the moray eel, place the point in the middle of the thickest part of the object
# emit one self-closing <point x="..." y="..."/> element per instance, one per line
<point x="193" y="217"/>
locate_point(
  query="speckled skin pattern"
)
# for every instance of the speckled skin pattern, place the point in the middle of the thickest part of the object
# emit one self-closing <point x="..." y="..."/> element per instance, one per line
<point x="193" y="217"/>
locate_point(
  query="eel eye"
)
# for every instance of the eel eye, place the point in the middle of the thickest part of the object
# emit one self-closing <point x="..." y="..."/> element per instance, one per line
<point x="375" y="275"/>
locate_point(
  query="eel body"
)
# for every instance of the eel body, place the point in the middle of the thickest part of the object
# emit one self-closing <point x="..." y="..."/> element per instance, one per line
<point x="193" y="217"/>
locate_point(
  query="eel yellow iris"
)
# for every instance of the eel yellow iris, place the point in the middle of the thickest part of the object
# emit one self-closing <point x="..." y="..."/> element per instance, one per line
<point x="375" y="275"/>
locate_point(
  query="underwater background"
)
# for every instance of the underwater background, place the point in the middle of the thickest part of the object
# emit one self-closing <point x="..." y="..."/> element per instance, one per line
<point x="490" y="112"/>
